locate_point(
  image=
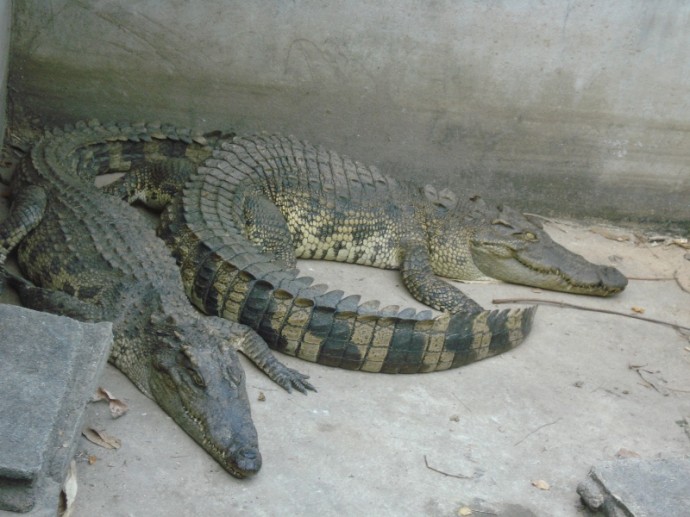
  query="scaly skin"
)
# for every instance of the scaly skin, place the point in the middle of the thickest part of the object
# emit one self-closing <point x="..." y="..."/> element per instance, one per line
<point x="262" y="201"/>
<point x="90" y="256"/>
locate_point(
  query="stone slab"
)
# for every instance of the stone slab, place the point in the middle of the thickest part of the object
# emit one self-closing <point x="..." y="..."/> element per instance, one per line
<point x="639" y="488"/>
<point x="49" y="366"/>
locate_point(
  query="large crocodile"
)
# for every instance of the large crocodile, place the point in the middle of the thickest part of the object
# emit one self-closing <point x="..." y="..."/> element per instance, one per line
<point x="261" y="202"/>
<point x="90" y="256"/>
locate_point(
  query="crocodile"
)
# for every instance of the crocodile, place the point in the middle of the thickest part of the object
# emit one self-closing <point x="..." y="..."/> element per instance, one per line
<point x="90" y="256"/>
<point x="260" y="202"/>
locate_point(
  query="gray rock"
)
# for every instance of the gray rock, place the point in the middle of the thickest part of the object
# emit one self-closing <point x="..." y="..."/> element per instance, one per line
<point x="638" y="488"/>
<point x="49" y="367"/>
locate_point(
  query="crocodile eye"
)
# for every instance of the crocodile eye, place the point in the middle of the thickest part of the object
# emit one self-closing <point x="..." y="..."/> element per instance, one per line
<point x="198" y="379"/>
<point x="195" y="375"/>
<point x="528" y="236"/>
<point x="187" y="363"/>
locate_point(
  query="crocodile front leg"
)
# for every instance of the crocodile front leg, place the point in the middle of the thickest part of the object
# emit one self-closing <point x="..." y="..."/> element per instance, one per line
<point x="426" y="287"/>
<point x="154" y="184"/>
<point x="256" y="349"/>
<point x="55" y="302"/>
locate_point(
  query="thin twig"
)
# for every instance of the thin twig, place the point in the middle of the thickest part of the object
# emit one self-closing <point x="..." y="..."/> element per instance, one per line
<point x="459" y="476"/>
<point x="650" y="278"/>
<point x="650" y="384"/>
<point x="537" y="429"/>
<point x="640" y="370"/>
<point x="676" y="277"/>
<point x="462" y="402"/>
<point x="590" y="309"/>
<point x="542" y="217"/>
<point x="645" y="244"/>
<point x="558" y="224"/>
<point x="678" y="390"/>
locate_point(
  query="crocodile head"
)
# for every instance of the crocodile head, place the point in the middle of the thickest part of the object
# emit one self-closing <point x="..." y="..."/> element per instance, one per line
<point x="514" y="248"/>
<point x="196" y="377"/>
<point x="473" y="241"/>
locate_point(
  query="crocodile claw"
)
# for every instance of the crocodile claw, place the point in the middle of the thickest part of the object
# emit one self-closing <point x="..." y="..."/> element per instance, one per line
<point x="14" y="280"/>
<point x="288" y="378"/>
<point x="255" y="348"/>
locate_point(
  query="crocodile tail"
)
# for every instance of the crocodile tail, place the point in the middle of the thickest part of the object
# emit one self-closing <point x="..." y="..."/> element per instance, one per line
<point x="340" y="334"/>
<point x="227" y="278"/>
<point x="95" y="148"/>
<point x="336" y="333"/>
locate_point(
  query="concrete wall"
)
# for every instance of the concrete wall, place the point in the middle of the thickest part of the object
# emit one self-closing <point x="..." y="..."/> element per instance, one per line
<point x="577" y="108"/>
<point x="5" y="19"/>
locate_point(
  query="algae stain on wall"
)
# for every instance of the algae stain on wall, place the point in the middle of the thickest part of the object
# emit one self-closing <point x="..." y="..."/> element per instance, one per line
<point x="570" y="108"/>
<point x="5" y="26"/>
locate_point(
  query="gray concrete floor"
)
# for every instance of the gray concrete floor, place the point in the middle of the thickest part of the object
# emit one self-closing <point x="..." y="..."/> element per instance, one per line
<point x="583" y="387"/>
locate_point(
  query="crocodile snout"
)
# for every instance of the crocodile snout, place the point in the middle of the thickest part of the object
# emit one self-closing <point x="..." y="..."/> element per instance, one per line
<point x="612" y="279"/>
<point x="248" y="461"/>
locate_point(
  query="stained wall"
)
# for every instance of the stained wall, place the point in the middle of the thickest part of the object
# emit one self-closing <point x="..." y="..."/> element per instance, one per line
<point x="572" y="108"/>
<point x="5" y="23"/>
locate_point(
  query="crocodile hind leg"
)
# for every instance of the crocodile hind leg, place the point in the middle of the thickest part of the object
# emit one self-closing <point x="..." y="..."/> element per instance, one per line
<point x="55" y="302"/>
<point x="152" y="183"/>
<point x="426" y="287"/>
<point x="267" y="228"/>
<point x="27" y="211"/>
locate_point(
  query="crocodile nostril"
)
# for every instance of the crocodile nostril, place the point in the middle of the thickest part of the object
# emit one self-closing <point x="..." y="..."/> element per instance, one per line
<point x="248" y="460"/>
<point x="250" y="454"/>
<point x="613" y="278"/>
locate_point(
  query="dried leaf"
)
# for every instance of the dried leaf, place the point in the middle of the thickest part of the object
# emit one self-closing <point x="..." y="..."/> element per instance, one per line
<point x="626" y="453"/>
<point x="682" y="242"/>
<point x="91" y="459"/>
<point x="541" y="484"/>
<point x="69" y="491"/>
<point x="101" y="438"/>
<point x="101" y="394"/>
<point x="638" y="310"/>
<point x="117" y="406"/>
<point x="465" y="510"/>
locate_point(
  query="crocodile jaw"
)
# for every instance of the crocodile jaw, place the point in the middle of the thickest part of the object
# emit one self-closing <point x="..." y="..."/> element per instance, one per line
<point x="203" y="388"/>
<point x="552" y="267"/>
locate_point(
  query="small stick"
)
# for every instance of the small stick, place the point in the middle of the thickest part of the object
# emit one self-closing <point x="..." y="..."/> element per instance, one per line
<point x="649" y="383"/>
<point x="537" y="429"/>
<point x="678" y="390"/>
<point x="590" y="309"/>
<point x="459" y="476"/>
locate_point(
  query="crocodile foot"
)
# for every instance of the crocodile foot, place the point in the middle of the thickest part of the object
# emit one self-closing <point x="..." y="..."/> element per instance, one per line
<point x="288" y="378"/>
<point x="256" y="349"/>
